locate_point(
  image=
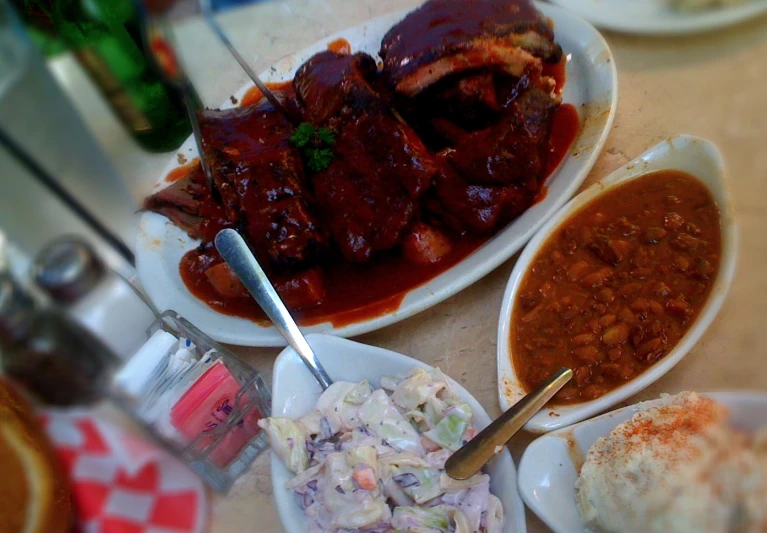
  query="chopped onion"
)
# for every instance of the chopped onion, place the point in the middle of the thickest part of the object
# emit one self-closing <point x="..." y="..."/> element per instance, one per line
<point x="326" y="432"/>
<point x="308" y="499"/>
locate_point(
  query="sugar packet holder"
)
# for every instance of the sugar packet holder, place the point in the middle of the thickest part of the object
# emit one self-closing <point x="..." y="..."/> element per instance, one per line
<point x="196" y="399"/>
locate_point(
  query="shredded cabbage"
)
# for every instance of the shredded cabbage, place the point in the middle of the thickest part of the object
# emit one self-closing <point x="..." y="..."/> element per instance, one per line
<point x="288" y="440"/>
<point x="368" y="461"/>
<point x="380" y="416"/>
<point x="359" y="393"/>
<point x="449" y="432"/>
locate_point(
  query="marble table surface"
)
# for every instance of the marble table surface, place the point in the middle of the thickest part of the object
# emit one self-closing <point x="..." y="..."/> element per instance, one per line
<point x="711" y="85"/>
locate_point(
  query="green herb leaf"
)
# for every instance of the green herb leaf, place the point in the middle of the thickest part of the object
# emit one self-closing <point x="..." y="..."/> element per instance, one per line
<point x="326" y="135"/>
<point x="319" y="158"/>
<point x="303" y="134"/>
<point x="313" y="143"/>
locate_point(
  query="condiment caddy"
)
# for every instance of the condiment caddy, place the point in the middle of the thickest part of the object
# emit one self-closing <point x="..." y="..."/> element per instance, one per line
<point x="195" y="398"/>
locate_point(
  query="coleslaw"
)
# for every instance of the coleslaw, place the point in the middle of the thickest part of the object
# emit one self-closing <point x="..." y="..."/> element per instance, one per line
<point x="374" y="460"/>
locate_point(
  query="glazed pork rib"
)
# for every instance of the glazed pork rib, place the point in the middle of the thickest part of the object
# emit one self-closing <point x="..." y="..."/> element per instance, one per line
<point x="181" y="202"/>
<point x="261" y="180"/>
<point x="514" y="150"/>
<point x="369" y="192"/>
<point x="446" y="37"/>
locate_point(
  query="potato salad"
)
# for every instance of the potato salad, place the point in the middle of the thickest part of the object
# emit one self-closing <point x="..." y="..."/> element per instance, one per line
<point x="373" y="460"/>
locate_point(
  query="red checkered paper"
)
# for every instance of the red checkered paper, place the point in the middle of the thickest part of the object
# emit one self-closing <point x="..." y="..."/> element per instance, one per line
<point x="122" y="483"/>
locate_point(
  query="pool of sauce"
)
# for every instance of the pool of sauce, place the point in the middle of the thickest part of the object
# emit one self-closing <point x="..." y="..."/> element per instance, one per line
<point x="354" y="292"/>
<point x="183" y="171"/>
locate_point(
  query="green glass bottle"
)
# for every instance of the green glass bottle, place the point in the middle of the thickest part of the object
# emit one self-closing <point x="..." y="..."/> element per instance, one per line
<point x="105" y="36"/>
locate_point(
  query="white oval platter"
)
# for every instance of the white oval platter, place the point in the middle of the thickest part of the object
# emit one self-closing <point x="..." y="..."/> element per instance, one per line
<point x="591" y="87"/>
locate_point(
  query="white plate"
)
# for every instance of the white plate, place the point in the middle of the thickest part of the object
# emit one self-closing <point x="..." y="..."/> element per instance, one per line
<point x="591" y="87"/>
<point x="295" y="393"/>
<point x="654" y="17"/>
<point x="683" y="152"/>
<point x="549" y="467"/>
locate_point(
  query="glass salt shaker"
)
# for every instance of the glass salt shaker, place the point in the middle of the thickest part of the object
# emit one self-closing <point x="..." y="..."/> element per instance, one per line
<point x="103" y="302"/>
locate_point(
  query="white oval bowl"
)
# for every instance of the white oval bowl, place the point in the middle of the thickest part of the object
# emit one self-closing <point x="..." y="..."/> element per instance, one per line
<point x="295" y="393"/>
<point x="693" y="155"/>
<point x="592" y="87"/>
<point x="548" y="469"/>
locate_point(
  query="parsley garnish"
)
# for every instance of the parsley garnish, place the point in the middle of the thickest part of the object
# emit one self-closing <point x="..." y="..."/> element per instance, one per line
<point x="327" y="136"/>
<point x="302" y="135"/>
<point x="314" y="143"/>
<point x="319" y="159"/>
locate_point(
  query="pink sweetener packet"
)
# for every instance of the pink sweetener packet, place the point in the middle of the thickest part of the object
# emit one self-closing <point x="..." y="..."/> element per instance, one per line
<point x="206" y="405"/>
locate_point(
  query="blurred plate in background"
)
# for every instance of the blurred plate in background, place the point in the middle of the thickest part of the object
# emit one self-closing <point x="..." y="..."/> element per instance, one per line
<point x="656" y="17"/>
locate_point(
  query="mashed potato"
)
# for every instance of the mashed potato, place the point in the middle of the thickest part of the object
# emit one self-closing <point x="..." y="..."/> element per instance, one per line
<point x="675" y="468"/>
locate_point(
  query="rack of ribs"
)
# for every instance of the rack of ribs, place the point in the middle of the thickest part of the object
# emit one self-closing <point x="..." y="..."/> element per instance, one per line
<point x="468" y="74"/>
<point x="260" y="178"/>
<point x="369" y="193"/>
<point x="447" y="37"/>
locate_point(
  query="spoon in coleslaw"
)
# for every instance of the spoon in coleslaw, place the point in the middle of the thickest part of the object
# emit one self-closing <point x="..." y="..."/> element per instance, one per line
<point x="472" y="456"/>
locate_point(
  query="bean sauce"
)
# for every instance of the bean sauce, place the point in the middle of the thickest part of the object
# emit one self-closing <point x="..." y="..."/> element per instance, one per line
<point x="616" y="288"/>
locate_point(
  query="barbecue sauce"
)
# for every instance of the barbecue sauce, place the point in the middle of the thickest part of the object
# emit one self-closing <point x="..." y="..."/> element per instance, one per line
<point x="564" y="130"/>
<point x="254" y="94"/>
<point x="340" y="46"/>
<point x="182" y="172"/>
<point x="354" y="292"/>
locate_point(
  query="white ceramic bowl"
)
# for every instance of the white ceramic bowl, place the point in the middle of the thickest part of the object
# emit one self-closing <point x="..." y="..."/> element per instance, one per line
<point x="295" y="393"/>
<point x="592" y="87"/>
<point x="686" y="153"/>
<point x="549" y="467"/>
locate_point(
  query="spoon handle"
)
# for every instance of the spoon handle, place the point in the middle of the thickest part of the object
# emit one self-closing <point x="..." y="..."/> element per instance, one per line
<point x="470" y="458"/>
<point x="241" y="260"/>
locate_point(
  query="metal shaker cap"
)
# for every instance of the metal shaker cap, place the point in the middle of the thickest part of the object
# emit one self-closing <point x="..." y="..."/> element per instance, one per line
<point x="68" y="269"/>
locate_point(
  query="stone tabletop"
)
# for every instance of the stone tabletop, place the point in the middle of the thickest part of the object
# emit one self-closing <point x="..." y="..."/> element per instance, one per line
<point x="713" y="85"/>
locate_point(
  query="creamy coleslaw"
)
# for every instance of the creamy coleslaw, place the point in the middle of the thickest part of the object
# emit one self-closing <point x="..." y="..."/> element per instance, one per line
<point x="374" y="460"/>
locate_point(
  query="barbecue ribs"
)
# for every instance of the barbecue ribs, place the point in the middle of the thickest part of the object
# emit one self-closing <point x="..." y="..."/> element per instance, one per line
<point x="369" y="192"/>
<point x="447" y="37"/>
<point x="260" y="177"/>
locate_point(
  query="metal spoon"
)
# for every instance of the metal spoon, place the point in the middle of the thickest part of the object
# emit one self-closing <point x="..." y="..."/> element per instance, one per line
<point x="241" y="260"/>
<point x="470" y="458"/>
<point x="208" y="15"/>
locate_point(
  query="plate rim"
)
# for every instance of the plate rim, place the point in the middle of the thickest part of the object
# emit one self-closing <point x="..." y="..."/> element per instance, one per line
<point x="257" y="336"/>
